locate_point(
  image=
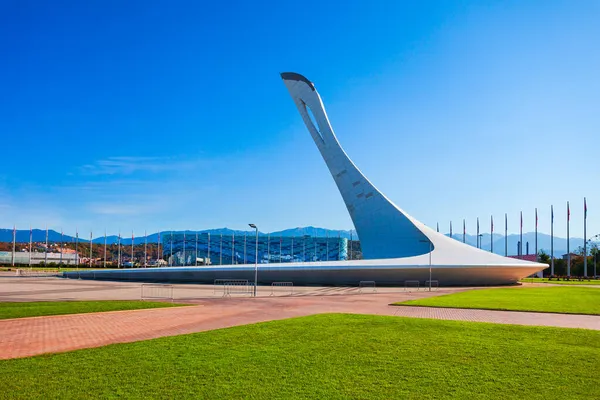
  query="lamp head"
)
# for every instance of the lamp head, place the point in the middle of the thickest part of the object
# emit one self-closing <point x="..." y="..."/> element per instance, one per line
<point x="252" y="226"/>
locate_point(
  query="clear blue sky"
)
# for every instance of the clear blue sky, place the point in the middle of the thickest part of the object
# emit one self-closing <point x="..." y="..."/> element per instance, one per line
<point x="172" y="115"/>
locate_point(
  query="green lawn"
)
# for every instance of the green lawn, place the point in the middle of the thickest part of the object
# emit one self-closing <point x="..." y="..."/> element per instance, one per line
<point x="561" y="282"/>
<point x="327" y="356"/>
<point x="39" y="308"/>
<point x="572" y="300"/>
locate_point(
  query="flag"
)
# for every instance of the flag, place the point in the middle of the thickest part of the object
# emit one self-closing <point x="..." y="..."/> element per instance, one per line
<point x="450" y="228"/>
<point x="568" y="212"/>
<point x="584" y="209"/>
<point x="536" y="218"/>
<point x="552" y="214"/>
<point x="492" y="223"/>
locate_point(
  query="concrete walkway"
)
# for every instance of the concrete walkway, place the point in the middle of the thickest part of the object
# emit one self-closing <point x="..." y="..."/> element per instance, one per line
<point x="32" y="336"/>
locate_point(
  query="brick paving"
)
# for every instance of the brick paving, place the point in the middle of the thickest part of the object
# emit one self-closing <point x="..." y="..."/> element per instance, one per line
<point x="25" y="337"/>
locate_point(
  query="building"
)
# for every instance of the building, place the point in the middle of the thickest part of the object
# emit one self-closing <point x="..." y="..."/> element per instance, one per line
<point x="36" y="258"/>
<point x="396" y="247"/>
<point x="241" y="249"/>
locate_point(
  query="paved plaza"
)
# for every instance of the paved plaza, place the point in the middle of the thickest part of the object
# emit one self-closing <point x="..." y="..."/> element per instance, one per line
<point x="211" y="310"/>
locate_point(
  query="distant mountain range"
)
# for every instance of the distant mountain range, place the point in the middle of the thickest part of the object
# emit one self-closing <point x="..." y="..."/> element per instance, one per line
<point x="560" y="244"/>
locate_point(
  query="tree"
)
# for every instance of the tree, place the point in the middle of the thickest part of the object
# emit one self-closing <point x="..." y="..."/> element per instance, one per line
<point x="543" y="257"/>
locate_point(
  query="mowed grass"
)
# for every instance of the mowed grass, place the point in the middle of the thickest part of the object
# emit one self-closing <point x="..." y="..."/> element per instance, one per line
<point x="328" y="356"/>
<point x="561" y="282"/>
<point x="571" y="300"/>
<point x="41" y="308"/>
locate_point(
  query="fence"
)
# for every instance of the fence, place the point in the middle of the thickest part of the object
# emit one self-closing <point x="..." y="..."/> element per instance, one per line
<point x="411" y="284"/>
<point x="157" y="291"/>
<point x="366" y="285"/>
<point x="36" y="274"/>
<point x="286" y="287"/>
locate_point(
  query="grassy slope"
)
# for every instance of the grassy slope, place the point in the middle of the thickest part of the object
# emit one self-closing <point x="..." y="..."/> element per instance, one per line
<point x="36" y="309"/>
<point x="573" y="300"/>
<point x="554" y="281"/>
<point x="326" y="357"/>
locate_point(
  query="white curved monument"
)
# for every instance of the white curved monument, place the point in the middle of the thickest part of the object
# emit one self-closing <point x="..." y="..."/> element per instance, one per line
<point x="388" y="235"/>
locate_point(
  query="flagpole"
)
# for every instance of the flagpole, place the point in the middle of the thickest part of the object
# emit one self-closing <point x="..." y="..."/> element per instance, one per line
<point x="232" y="248"/>
<point x="196" y="262"/>
<point x="91" y="248"/>
<point x="119" y="250"/>
<point x="221" y="251"/>
<point x="450" y="229"/>
<point x="438" y="227"/>
<point x="104" y="247"/>
<point x="505" y="235"/>
<point x="491" y="233"/>
<point x="268" y="247"/>
<point x="171" y="256"/>
<point x="464" y="231"/>
<point x="14" y="245"/>
<point x="536" y="235"/>
<point x="184" y="248"/>
<point x="76" y="248"/>
<point x="30" y="244"/>
<point x="132" y="240"/>
<point x="568" y="241"/>
<point x="46" y="251"/>
<point x="478" y="241"/>
<point x="551" y="240"/>
<point x="145" y="249"/>
<point x="245" y="247"/>
<point x="584" y="238"/>
<point x="61" y="246"/>
<point x="280" y="247"/>
<point x="521" y="237"/>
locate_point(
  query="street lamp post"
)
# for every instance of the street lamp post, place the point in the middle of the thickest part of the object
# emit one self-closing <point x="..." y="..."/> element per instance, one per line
<point x="430" y="250"/>
<point x="255" y="258"/>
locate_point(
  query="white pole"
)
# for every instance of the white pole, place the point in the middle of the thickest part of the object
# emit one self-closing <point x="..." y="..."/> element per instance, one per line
<point x="132" y="240"/>
<point x="245" y="262"/>
<point x="46" y="251"/>
<point x="233" y="248"/>
<point x="91" y="240"/>
<point x="208" y="249"/>
<point x="119" y="250"/>
<point x="196" y="261"/>
<point x="268" y="248"/>
<point x="145" y="249"/>
<point x="30" y="244"/>
<point x="221" y="251"/>
<point x="584" y="238"/>
<point x="551" y="240"/>
<point x="184" y="249"/>
<point x="568" y="241"/>
<point x="61" y="247"/>
<point x="104" y="247"/>
<point x="14" y="245"/>
<point x="77" y="248"/>
<point x="255" y="259"/>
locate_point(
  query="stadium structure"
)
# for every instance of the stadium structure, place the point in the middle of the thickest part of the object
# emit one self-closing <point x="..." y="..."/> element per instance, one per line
<point x="396" y="247"/>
